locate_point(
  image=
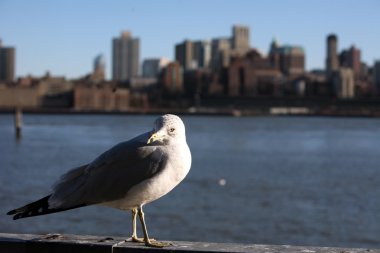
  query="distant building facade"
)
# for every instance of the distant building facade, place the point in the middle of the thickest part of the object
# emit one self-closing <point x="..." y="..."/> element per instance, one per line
<point x="220" y="53"/>
<point x="101" y="97"/>
<point x="214" y="54"/>
<point x="172" y="79"/>
<point x="7" y="63"/>
<point x="197" y="82"/>
<point x="332" y="60"/>
<point x="125" y="57"/>
<point x="289" y="59"/>
<point x="251" y="75"/>
<point x="14" y="96"/>
<point x="350" y="58"/>
<point x="151" y="68"/>
<point x="344" y="83"/>
<point x="240" y="40"/>
<point x="376" y="75"/>
<point x="222" y="49"/>
<point x="29" y="92"/>
<point x="193" y="54"/>
<point x="202" y="53"/>
<point x="99" y="71"/>
<point x="184" y="55"/>
<point x="292" y="61"/>
<point x="142" y="83"/>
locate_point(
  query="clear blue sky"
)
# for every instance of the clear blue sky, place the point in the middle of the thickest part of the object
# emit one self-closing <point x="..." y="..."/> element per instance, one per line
<point x="65" y="36"/>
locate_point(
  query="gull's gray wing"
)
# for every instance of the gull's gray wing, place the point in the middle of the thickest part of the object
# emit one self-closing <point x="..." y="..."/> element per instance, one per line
<point x="110" y="176"/>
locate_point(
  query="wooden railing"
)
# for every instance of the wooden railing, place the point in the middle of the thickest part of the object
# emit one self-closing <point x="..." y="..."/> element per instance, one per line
<point x="29" y="243"/>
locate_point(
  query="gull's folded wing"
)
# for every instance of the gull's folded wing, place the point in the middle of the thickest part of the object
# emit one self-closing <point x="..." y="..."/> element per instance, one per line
<point x="111" y="175"/>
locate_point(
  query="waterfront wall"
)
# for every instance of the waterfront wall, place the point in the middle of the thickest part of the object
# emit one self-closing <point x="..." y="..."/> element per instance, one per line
<point x="19" y="96"/>
<point x="103" y="98"/>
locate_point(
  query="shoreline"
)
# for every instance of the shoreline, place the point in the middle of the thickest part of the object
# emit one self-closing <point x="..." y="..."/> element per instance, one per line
<point x="330" y="111"/>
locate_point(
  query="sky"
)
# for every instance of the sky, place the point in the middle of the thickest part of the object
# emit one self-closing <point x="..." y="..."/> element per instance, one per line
<point x="64" y="37"/>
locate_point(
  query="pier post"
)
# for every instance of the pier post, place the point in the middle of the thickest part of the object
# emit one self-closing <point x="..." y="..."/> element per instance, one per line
<point x="18" y="122"/>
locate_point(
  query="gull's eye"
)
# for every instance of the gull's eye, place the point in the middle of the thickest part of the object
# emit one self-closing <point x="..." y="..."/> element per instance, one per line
<point x="172" y="130"/>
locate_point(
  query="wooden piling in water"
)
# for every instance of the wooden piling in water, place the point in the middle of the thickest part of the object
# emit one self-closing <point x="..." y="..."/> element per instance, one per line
<point x="18" y="122"/>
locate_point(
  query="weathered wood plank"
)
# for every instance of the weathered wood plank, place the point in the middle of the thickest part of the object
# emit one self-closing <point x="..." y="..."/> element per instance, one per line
<point x="28" y="243"/>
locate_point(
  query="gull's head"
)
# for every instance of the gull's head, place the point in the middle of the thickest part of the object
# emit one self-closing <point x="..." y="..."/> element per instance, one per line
<point x="167" y="129"/>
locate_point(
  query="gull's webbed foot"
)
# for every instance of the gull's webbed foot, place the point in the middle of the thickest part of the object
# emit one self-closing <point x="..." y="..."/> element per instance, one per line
<point x="139" y="240"/>
<point x="156" y="244"/>
<point x="136" y="239"/>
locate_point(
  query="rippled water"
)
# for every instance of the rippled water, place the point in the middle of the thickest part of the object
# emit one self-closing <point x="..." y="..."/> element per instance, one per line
<point x="289" y="180"/>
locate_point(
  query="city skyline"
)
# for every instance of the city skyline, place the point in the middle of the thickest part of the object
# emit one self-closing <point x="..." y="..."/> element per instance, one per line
<point x="64" y="37"/>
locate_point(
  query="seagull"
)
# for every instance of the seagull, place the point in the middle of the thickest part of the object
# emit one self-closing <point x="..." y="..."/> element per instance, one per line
<point x="126" y="177"/>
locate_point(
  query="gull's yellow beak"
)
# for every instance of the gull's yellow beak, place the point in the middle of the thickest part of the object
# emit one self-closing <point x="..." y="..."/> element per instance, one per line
<point x="153" y="138"/>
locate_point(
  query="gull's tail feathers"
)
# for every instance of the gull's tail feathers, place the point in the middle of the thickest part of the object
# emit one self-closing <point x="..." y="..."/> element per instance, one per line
<point x="39" y="207"/>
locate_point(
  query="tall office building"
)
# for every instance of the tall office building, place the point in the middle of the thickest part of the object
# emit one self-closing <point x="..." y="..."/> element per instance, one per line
<point x="355" y="59"/>
<point x="7" y="63"/>
<point x="332" y="62"/>
<point x="220" y="53"/>
<point x="193" y="54"/>
<point x="125" y="57"/>
<point x="184" y="54"/>
<point x="215" y="54"/>
<point x="240" y="39"/>
<point x="202" y="53"/>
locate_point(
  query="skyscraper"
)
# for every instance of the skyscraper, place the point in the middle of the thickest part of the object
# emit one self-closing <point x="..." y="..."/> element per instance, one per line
<point x="240" y="39"/>
<point x="220" y="53"/>
<point x="7" y="63"/>
<point x="354" y="59"/>
<point x="202" y="53"/>
<point x="193" y="54"/>
<point x="184" y="54"/>
<point x="125" y="57"/>
<point x="332" y="62"/>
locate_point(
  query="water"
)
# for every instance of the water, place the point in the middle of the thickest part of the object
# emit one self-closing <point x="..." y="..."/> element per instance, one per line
<point x="288" y="180"/>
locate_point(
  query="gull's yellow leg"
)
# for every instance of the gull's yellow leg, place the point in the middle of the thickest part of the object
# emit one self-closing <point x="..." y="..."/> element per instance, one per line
<point x="134" y="228"/>
<point x="149" y="242"/>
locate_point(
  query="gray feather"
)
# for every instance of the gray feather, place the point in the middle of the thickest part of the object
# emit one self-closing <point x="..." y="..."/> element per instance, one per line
<point x="110" y="176"/>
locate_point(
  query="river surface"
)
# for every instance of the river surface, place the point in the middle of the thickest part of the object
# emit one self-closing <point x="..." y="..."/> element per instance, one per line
<point x="266" y="180"/>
